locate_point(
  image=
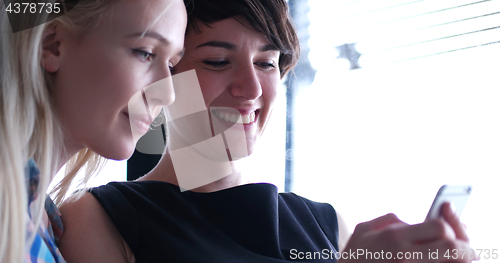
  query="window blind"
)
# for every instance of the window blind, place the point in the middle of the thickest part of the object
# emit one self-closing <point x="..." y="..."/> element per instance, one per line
<point x="388" y="31"/>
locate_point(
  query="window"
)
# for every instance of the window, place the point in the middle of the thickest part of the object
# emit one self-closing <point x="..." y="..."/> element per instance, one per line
<point x="418" y="109"/>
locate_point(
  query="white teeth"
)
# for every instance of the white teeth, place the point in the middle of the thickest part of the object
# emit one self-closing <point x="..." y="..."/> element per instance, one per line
<point x="246" y="118"/>
<point x="235" y="118"/>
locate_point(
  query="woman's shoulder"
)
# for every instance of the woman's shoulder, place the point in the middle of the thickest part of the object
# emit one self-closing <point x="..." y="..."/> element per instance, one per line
<point x="87" y="224"/>
<point x="133" y="187"/>
<point x="324" y="214"/>
<point x="330" y="220"/>
<point x="134" y="193"/>
<point x="291" y="198"/>
<point x="99" y="219"/>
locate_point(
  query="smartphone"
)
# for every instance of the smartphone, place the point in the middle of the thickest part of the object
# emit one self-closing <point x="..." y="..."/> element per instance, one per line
<point x="454" y="194"/>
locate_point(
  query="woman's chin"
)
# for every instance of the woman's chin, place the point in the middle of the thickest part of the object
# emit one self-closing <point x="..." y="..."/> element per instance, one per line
<point x="121" y="151"/>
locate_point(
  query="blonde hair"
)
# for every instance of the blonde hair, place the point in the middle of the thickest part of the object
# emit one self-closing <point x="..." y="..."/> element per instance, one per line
<point x="29" y="127"/>
<point x="83" y="18"/>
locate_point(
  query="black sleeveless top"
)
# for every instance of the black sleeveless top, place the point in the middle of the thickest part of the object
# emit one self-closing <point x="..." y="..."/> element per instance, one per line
<point x="248" y="223"/>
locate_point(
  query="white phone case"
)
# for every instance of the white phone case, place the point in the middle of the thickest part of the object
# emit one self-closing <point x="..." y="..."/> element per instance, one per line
<point x="457" y="195"/>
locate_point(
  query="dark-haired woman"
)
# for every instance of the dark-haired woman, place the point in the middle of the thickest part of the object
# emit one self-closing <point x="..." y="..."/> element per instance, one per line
<point x="240" y="50"/>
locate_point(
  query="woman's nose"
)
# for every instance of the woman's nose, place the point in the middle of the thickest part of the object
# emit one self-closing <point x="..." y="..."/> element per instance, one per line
<point x="246" y="83"/>
<point x="160" y="93"/>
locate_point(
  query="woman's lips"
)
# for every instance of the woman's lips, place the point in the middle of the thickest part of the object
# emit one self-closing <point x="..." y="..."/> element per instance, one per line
<point x="139" y="122"/>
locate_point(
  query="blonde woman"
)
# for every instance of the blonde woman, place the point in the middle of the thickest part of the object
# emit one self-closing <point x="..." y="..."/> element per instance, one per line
<point x="65" y="88"/>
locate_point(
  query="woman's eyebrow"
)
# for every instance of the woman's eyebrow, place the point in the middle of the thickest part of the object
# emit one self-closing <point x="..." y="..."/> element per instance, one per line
<point x="232" y="47"/>
<point x="269" y="48"/>
<point x="150" y="34"/>
<point x="221" y="44"/>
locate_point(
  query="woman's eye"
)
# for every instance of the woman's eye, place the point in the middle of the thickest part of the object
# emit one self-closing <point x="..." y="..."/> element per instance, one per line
<point x="266" y="65"/>
<point x="146" y="56"/>
<point x="216" y="64"/>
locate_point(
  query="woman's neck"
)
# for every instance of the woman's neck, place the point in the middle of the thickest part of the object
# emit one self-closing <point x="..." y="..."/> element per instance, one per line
<point x="69" y="150"/>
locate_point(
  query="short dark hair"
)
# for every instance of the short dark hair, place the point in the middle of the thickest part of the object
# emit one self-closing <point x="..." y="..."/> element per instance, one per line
<point x="270" y="17"/>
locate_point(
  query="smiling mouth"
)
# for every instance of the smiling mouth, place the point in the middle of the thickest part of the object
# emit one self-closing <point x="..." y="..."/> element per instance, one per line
<point x="235" y="117"/>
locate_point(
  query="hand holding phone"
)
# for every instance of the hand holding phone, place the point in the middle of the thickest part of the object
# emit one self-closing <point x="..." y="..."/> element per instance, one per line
<point x="453" y="194"/>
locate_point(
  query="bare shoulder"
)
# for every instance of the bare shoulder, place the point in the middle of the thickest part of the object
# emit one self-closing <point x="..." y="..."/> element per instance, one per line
<point x="89" y="234"/>
<point x="344" y="233"/>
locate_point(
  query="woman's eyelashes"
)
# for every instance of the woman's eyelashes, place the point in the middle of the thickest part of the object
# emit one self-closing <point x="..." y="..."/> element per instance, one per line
<point x="216" y="64"/>
<point x="221" y="64"/>
<point x="266" y="65"/>
<point x="143" y="55"/>
<point x="147" y="56"/>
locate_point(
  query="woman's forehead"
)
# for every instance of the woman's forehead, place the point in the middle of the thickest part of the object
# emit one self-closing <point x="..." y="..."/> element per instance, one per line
<point x="235" y="30"/>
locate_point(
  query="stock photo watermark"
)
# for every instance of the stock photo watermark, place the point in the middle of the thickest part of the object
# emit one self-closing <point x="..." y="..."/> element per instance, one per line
<point x="25" y="14"/>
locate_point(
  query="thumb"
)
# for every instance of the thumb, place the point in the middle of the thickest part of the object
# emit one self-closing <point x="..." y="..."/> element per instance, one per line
<point x="452" y="218"/>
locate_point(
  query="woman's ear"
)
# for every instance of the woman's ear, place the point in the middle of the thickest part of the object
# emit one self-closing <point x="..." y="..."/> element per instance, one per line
<point x="51" y="47"/>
